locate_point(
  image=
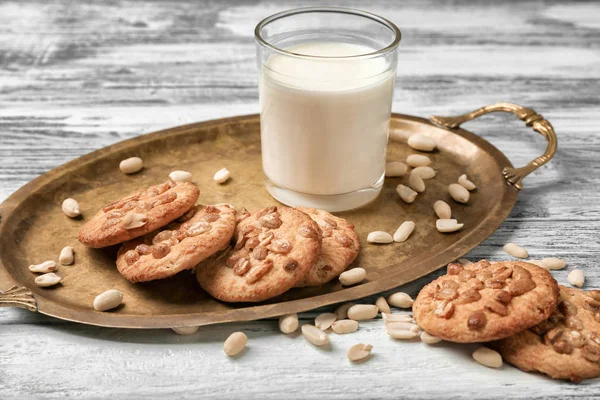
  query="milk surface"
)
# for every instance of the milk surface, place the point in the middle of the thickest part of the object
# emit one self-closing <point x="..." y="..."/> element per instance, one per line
<point x="324" y="122"/>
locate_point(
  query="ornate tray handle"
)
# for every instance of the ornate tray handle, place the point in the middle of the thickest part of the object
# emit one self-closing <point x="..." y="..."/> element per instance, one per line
<point x="514" y="176"/>
<point x="18" y="297"/>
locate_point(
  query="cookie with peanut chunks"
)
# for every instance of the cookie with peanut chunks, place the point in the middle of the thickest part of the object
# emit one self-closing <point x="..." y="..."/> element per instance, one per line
<point x="339" y="248"/>
<point x="189" y="240"/>
<point x="566" y="345"/>
<point x="139" y="213"/>
<point x="486" y="301"/>
<point x="273" y="250"/>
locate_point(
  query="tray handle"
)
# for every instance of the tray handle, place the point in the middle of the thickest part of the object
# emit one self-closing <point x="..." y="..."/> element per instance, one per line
<point x="514" y="176"/>
<point x="18" y="296"/>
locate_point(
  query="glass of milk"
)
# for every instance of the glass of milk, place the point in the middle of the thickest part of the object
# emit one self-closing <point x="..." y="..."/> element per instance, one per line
<point x="326" y="85"/>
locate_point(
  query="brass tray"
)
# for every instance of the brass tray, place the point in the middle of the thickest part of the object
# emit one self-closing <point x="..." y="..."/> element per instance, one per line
<point x="34" y="229"/>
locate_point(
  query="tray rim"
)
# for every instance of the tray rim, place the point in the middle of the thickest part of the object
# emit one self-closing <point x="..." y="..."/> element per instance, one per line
<point x="252" y="312"/>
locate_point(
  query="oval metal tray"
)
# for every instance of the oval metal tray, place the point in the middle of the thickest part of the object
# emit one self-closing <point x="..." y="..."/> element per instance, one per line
<point x="34" y="229"/>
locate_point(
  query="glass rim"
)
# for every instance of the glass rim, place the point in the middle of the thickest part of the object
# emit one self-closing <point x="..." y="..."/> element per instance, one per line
<point x="342" y="10"/>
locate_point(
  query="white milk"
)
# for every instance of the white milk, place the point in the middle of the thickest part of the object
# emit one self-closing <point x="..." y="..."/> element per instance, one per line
<point x="324" y="123"/>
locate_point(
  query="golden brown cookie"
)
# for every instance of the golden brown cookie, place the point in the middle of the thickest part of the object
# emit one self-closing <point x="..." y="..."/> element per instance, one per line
<point x="566" y="345"/>
<point x="274" y="249"/>
<point x="339" y="248"/>
<point x="483" y="301"/>
<point x="198" y="234"/>
<point x="139" y="213"/>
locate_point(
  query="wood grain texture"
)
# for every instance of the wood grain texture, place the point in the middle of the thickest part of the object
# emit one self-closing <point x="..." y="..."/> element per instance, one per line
<point x="78" y="75"/>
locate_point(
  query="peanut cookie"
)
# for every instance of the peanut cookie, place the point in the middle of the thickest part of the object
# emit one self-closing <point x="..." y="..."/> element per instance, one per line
<point x="486" y="301"/>
<point x="139" y="213"/>
<point x="197" y="235"/>
<point x="339" y="248"/>
<point x="566" y="345"/>
<point x="274" y="249"/>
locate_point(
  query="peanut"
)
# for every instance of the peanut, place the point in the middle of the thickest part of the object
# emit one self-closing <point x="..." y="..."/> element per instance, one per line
<point x="108" y="300"/>
<point x="186" y="330"/>
<point x="379" y="237"/>
<point x="515" y="250"/>
<point x="421" y="142"/>
<point x="131" y="165"/>
<point x="344" y="326"/>
<point x="418" y="160"/>
<point x="43" y="268"/>
<point x="442" y="209"/>
<point x="576" y="277"/>
<point x="406" y="194"/>
<point x="466" y="183"/>
<point x="315" y="335"/>
<point x="222" y="175"/>
<point x="458" y="193"/>
<point x="488" y="357"/>
<point x="180" y="176"/>
<point x="235" y="343"/>
<point x="383" y="306"/>
<point x="71" y="208"/>
<point x="288" y="323"/>
<point x="325" y="320"/>
<point x="400" y="300"/>
<point x="66" y="256"/>
<point x="448" y="225"/>
<point x="395" y="168"/>
<point x="47" y="280"/>
<point x="352" y="276"/>
<point x="361" y="312"/>
<point x="404" y="231"/>
<point x="359" y="352"/>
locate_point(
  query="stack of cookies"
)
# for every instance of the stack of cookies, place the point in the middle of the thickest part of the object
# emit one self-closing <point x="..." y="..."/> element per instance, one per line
<point x="238" y="258"/>
<point x="533" y="322"/>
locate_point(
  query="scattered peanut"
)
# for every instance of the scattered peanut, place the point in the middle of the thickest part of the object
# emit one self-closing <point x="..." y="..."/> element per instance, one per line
<point x="395" y="168"/>
<point x="221" y="175"/>
<point x="108" y="300"/>
<point x="71" y="208"/>
<point x="361" y="312"/>
<point x="131" y="165"/>
<point x="390" y="318"/>
<point x="406" y="193"/>
<point x="488" y="357"/>
<point x="352" y="276"/>
<point x="421" y="142"/>
<point x="416" y="183"/>
<point x="576" y="277"/>
<point x="359" y="352"/>
<point x="66" y="256"/>
<point x="554" y="263"/>
<point x="466" y="183"/>
<point x="47" y="280"/>
<point x="458" y="193"/>
<point x="424" y="172"/>
<point x="315" y="335"/>
<point x="235" y="343"/>
<point x="404" y="231"/>
<point x="400" y="300"/>
<point x="515" y="250"/>
<point x="180" y="176"/>
<point x="464" y="261"/>
<point x="325" y="320"/>
<point x="288" y="323"/>
<point x="185" y="330"/>
<point x="43" y="268"/>
<point x="448" y="225"/>
<point x="418" y="160"/>
<point x="342" y="311"/>
<point x="407" y="326"/>
<point x="379" y="237"/>
<point x="400" y="332"/>
<point x="383" y="306"/>
<point x="344" y="326"/>
<point x="429" y="338"/>
<point x="442" y="209"/>
<point x="134" y="220"/>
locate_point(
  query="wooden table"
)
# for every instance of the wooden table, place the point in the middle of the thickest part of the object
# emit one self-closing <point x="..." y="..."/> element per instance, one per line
<point x="78" y="75"/>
